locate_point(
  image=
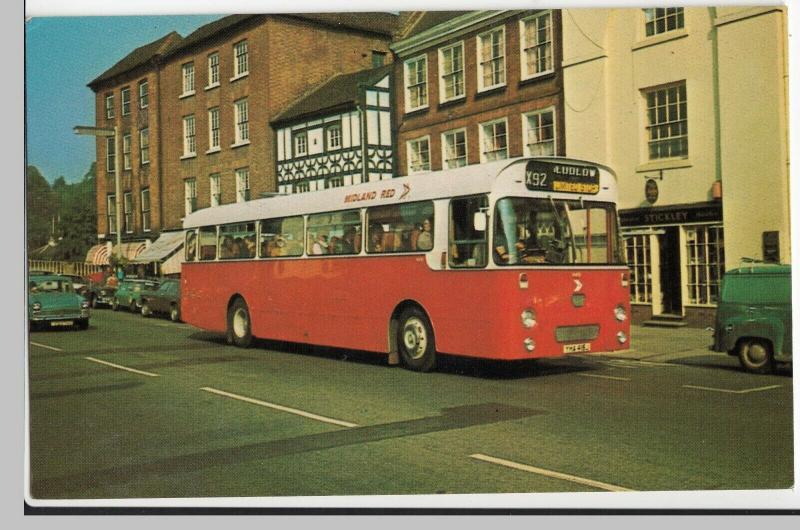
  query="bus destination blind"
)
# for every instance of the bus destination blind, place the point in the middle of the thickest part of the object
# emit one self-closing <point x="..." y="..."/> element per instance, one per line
<point x="565" y="178"/>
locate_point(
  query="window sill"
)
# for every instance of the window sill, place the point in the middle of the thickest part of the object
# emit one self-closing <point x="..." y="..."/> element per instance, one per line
<point x="541" y="76"/>
<point x="210" y="87"/>
<point x="186" y="95"/>
<point x="240" y="144"/>
<point x="418" y="110"/>
<point x="452" y="102"/>
<point x="213" y="150"/>
<point x="491" y="91"/>
<point x="240" y="76"/>
<point x="142" y="108"/>
<point x="660" y="39"/>
<point x="667" y="163"/>
<point x="187" y="157"/>
<point x="145" y="163"/>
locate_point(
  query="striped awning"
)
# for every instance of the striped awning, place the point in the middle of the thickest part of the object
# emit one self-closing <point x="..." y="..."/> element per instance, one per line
<point x="162" y="248"/>
<point x="98" y="254"/>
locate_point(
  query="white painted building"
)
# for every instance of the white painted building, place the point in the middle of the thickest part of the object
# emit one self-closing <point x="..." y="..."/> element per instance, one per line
<point x="689" y="107"/>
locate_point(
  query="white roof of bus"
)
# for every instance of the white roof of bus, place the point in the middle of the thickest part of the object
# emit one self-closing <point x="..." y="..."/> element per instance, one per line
<point x="468" y="180"/>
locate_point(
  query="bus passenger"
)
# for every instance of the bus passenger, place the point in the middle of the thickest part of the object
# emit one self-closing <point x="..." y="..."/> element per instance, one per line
<point x="320" y="245"/>
<point x="425" y="239"/>
<point x="227" y="248"/>
<point x="376" y="238"/>
<point x="349" y="241"/>
<point x="250" y="246"/>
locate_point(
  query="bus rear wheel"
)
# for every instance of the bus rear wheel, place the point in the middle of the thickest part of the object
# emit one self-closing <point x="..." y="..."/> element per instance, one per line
<point x="415" y="341"/>
<point x="239" y="333"/>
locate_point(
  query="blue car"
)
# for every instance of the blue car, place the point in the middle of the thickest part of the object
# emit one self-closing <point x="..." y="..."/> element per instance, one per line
<point x="53" y="302"/>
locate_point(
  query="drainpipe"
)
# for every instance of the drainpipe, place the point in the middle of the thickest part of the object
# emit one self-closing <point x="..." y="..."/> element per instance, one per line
<point x="712" y="11"/>
<point x="362" y="117"/>
<point x="160" y="172"/>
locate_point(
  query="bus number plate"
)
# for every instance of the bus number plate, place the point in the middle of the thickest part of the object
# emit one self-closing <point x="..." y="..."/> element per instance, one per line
<point x="577" y="348"/>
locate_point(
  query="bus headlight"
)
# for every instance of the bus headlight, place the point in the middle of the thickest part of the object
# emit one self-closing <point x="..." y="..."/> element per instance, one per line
<point x="528" y="318"/>
<point x="621" y="337"/>
<point x="529" y="344"/>
<point x="620" y="314"/>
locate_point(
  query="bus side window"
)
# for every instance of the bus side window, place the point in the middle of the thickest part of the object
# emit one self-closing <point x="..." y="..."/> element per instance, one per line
<point x="191" y="245"/>
<point x="208" y="243"/>
<point x="467" y="246"/>
<point x="334" y="233"/>
<point x="400" y="228"/>
<point x="281" y="237"/>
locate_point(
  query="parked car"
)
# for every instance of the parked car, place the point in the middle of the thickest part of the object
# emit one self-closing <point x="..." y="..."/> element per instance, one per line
<point x="754" y="316"/>
<point x="81" y="285"/>
<point x="129" y="292"/>
<point x="102" y="295"/>
<point x="164" y="300"/>
<point x="52" y="301"/>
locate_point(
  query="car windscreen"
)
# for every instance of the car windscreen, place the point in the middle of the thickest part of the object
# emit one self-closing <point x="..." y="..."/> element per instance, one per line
<point x="50" y="286"/>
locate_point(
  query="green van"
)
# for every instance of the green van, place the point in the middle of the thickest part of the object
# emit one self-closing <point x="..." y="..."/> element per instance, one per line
<point x="754" y="316"/>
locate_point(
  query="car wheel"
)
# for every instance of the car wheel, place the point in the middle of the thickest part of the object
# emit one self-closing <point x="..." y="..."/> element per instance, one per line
<point x="83" y="323"/>
<point x="115" y="305"/>
<point x="415" y="341"/>
<point x="146" y="312"/>
<point x="755" y="355"/>
<point x="174" y="314"/>
<point x="238" y="332"/>
<point x="134" y="307"/>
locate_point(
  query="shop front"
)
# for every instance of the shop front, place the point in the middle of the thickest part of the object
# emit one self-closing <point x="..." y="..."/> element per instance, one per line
<point x="676" y="257"/>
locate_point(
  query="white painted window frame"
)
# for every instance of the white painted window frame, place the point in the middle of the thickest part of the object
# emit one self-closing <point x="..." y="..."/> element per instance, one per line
<point x="526" y="130"/>
<point x="407" y="87"/>
<point x="410" y="154"/>
<point x="479" y="63"/>
<point x="523" y="58"/>
<point x="444" y="147"/>
<point x="442" y="86"/>
<point x="482" y="138"/>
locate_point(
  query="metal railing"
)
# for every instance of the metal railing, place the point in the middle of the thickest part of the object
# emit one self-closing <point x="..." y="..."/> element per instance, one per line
<point x="64" y="267"/>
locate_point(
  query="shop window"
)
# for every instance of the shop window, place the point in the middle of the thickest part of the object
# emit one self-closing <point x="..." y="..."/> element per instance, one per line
<point x="637" y="248"/>
<point x="705" y="251"/>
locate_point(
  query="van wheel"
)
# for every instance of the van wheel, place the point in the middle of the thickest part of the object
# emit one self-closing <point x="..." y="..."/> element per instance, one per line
<point x="238" y="332"/>
<point x="415" y="341"/>
<point x="756" y="356"/>
<point x="174" y="314"/>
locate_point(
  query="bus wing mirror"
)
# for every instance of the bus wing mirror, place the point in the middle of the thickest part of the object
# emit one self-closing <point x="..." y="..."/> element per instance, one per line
<point x="479" y="221"/>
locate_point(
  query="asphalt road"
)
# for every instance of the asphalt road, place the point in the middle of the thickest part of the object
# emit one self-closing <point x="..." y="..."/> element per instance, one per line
<point x="143" y="408"/>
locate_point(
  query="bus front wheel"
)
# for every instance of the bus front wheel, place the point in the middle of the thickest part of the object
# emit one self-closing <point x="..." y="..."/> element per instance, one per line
<point x="239" y="332"/>
<point x="415" y="341"/>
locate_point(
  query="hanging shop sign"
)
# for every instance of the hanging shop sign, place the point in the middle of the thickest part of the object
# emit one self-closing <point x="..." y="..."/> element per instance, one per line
<point x="651" y="191"/>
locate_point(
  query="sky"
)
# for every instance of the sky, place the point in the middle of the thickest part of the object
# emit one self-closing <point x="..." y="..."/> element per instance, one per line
<point x="62" y="54"/>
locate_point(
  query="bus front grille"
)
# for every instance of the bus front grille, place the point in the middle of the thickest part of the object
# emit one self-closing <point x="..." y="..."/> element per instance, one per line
<point x="577" y="333"/>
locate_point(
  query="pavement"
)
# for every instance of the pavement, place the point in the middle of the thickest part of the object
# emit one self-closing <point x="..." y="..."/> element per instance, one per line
<point x="664" y="345"/>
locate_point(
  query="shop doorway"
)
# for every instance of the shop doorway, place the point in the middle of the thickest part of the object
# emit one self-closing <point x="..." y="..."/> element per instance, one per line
<point x="670" y="271"/>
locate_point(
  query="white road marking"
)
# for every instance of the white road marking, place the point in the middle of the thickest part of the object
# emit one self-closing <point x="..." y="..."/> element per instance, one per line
<point x="548" y="473"/>
<point x="46" y="346"/>
<point x="605" y="377"/>
<point x="120" y="367"/>
<point x="727" y="391"/>
<point x="298" y="412"/>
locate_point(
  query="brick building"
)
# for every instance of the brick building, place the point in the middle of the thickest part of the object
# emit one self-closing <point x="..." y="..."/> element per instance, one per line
<point x="205" y="132"/>
<point x="477" y="86"/>
<point x="127" y="96"/>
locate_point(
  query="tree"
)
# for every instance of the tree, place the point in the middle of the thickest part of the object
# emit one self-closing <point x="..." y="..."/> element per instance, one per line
<point x="41" y="207"/>
<point x="77" y="213"/>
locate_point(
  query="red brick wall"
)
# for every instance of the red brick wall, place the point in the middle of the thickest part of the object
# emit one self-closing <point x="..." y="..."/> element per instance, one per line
<point x="286" y="57"/>
<point x="511" y="101"/>
<point x="139" y="176"/>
